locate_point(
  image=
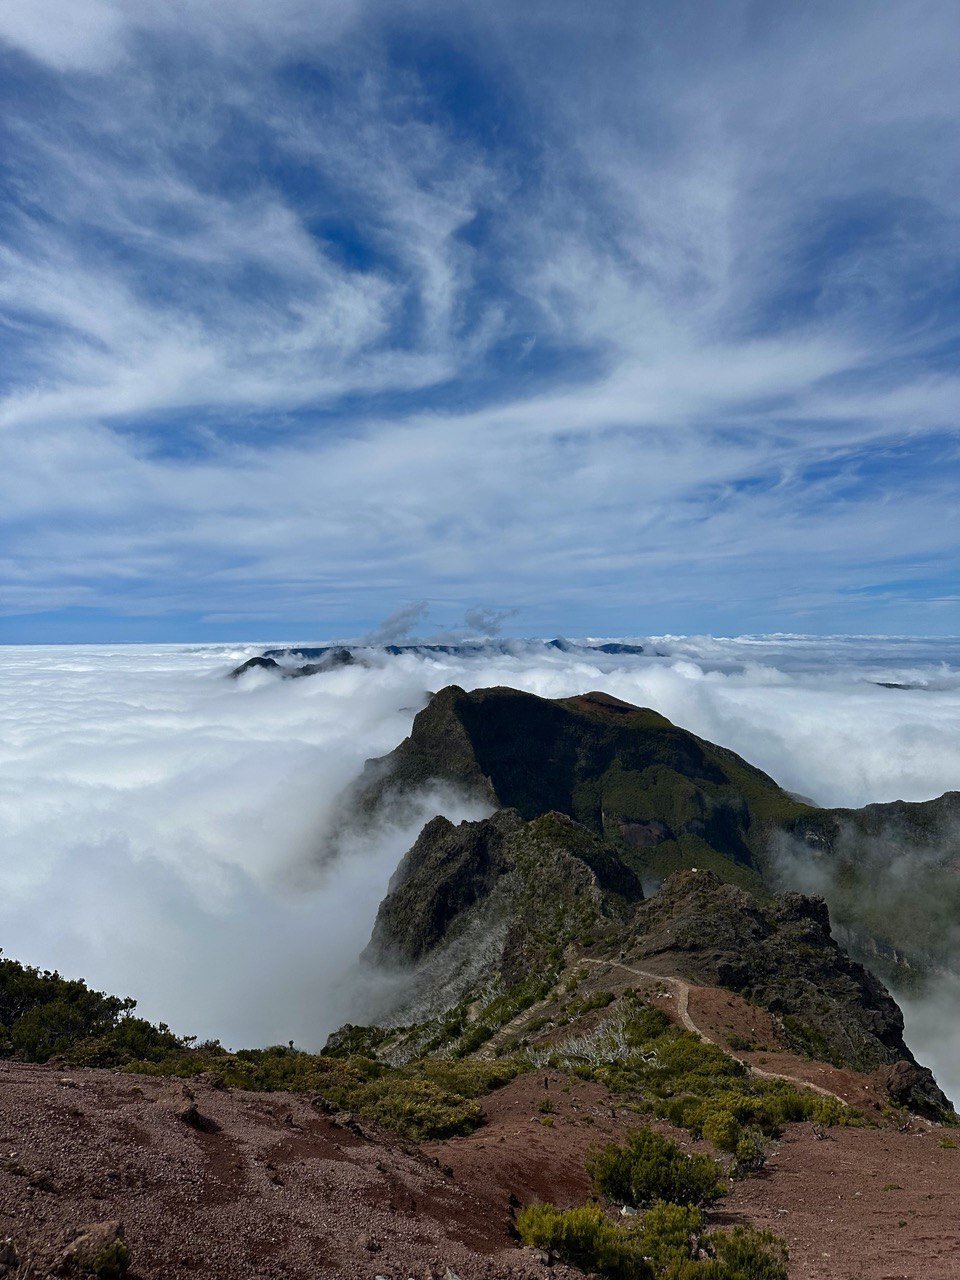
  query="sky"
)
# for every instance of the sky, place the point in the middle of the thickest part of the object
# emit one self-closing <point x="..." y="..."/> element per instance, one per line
<point x="608" y="319"/>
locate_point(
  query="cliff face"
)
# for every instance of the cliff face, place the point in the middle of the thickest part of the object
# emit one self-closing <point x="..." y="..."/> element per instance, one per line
<point x="663" y="796"/>
<point x="781" y="956"/>
<point x="487" y="903"/>
<point x="893" y="875"/>
<point x="483" y="905"/>
<point x="666" y="800"/>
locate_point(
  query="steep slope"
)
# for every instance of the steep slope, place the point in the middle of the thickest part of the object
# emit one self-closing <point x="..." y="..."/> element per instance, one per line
<point x="485" y="904"/>
<point x="892" y="872"/>
<point x="664" y="797"/>
<point x="666" y="800"/>
<point x="781" y="957"/>
<point x="478" y="908"/>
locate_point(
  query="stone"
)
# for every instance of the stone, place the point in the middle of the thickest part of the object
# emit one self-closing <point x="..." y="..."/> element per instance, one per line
<point x="97" y="1247"/>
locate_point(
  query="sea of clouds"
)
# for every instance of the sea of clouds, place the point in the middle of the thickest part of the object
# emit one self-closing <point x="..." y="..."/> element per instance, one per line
<point x="159" y="822"/>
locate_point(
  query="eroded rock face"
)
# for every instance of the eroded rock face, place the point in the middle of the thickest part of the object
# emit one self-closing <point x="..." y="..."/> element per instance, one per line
<point x="506" y="892"/>
<point x="782" y="956"/>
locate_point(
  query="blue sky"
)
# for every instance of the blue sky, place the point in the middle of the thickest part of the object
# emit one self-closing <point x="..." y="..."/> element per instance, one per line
<point x="616" y="318"/>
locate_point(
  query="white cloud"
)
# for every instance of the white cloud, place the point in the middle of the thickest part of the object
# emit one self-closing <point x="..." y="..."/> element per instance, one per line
<point x="158" y="821"/>
<point x="203" y="385"/>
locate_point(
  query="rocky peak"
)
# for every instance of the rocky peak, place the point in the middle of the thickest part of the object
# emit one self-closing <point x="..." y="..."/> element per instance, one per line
<point x="781" y="955"/>
<point x="484" y="901"/>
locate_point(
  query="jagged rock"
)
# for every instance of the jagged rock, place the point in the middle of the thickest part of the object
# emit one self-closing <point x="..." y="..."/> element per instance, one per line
<point x="782" y="956"/>
<point x="523" y="888"/>
<point x="901" y="1080"/>
<point x="478" y="906"/>
<point x="893" y="874"/>
<point x="252" y="664"/>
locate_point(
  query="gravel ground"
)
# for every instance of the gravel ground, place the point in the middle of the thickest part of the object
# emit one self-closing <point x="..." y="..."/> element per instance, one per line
<point x="266" y="1187"/>
<point x="232" y="1185"/>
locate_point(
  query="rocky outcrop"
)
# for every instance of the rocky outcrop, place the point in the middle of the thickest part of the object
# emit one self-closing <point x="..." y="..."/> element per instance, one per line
<point x="782" y="957"/>
<point x="892" y="873"/>
<point x="483" y="903"/>
<point x="313" y="657"/>
<point x="327" y="660"/>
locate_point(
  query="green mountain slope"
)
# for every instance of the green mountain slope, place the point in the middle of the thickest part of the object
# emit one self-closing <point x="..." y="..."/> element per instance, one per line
<point x="664" y="797"/>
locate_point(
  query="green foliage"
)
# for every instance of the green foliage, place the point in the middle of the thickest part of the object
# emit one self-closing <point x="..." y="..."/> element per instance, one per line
<point x="584" y="1238"/>
<point x="746" y="1254"/>
<point x="722" y="1129"/>
<point x="668" y="1244"/>
<point x="648" y="1167"/>
<point x="698" y="1087"/>
<point x="43" y="1014"/>
<point x="670" y="1233"/>
<point x="432" y="1099"/>
<point x="469" y="1077"/>
<point x="586" y="1004"/>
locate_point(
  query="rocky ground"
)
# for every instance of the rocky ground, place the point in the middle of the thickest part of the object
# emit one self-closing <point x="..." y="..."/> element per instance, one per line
<point x="232" y="1184"/>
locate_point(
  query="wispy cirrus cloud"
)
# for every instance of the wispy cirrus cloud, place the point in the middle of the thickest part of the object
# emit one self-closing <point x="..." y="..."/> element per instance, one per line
<point x="307" y="314"/>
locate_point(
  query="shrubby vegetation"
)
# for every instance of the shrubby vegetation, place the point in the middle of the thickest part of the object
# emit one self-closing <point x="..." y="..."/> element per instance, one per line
<point x="585" y="1238"/>
<point x="670" y="1073"/>
<point x="431" y="1098"/>
<point x="43" y="1015"/>
<point x="669" y="1243"/>
<point x="648" y="1167"/>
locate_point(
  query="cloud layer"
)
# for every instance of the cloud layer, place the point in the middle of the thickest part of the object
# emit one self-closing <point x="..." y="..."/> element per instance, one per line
<point x="159" y="822"/>
<point x="308" y="313"/>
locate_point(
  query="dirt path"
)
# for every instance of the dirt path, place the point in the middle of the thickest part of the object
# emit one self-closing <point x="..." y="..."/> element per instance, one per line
<point x="682" y="989"/>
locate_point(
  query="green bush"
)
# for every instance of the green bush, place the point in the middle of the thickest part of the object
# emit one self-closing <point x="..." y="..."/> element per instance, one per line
<point x="42" y="1014"/>
<point x="668" y="1244"/>
<point x="670" y="1233"/>
<point x="743" y="1253"/>
<point x="696" y="1086"/>
<point x="585" y="1238"/>
<point x="435" y="1098"/>
<point x="416" y="1108"/>
<point x="722" y="1128"/>
<point x="649" y="1167"/>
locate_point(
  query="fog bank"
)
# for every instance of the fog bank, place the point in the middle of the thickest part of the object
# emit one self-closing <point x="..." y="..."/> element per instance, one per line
<point x="158" y="821"/>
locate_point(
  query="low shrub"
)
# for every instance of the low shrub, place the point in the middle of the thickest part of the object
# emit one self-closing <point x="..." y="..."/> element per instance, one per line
<point x="669" y="1234"/>
<point x="649" y="1167"/>
<point x="671" y="1073"/>
<point x="585" y="1238"/>
<point x="743" y="1253"/>
<point x="669" y="1243"/>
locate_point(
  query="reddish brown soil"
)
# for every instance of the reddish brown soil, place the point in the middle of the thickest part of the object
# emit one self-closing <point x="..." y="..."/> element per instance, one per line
<point x="278" y="1190"/>
<point x="827" y="1199"/>
<point x="281" y="1190"/>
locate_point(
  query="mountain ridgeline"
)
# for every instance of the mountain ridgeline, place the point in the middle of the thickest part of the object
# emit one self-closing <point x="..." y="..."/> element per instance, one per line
<point x="595" y="802"/>
<point x="667" y="800"/>
<point x="663" y="797"/>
